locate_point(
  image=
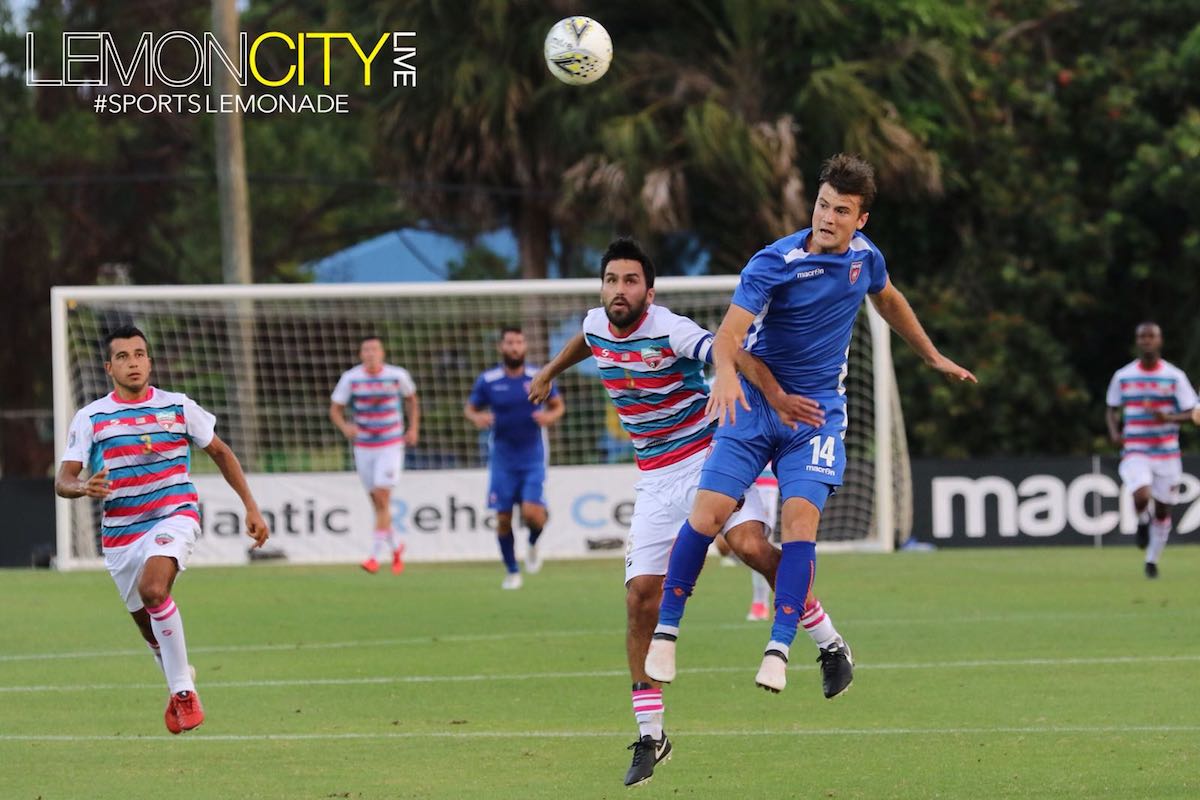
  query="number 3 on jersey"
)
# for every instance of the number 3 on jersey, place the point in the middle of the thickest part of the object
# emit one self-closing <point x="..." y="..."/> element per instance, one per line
<point x="822" y="447"/>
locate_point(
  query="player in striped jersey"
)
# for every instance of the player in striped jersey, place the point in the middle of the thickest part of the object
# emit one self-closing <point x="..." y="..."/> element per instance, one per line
<point x="1153" y="396"/>
<point x="373" y="391"/>
<point x="135" y="443"/>
<point x="651" y="362"/>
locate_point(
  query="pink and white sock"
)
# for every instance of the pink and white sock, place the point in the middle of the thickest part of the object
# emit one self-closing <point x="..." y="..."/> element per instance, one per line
<point x="1160" y="530"/>
<point x="760" y="590"/>
<point x="167" y="624"/>
<point x="818" y="625"/>
<point x="157" y="653"/>
<point x="648" y="710"/>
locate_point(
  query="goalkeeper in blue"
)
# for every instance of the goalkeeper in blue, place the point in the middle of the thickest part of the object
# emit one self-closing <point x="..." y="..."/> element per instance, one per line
<point x="794" y="308"/>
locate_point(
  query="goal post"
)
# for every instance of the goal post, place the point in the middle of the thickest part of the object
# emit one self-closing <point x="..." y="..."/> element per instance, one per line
<point x="305" y="335"/>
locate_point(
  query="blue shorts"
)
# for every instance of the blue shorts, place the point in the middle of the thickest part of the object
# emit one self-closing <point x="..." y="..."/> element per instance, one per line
<point x="510" y="484"/>
<point x="808" y="461"/>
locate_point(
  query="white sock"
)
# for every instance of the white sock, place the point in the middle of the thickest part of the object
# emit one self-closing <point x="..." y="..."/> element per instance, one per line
<point x="818" y="625"/>
<point x="648" y="711"/>
<point x="1144" y="516"/>
<point x="157" y="653"/>
<point x="1159" y="531"/>
<point x="167" y="624"/>
<point x="760" y="590"/>
<point x="382" y="545"/>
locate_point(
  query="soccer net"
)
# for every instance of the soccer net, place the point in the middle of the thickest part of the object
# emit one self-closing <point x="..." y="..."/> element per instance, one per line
<point x="264" y="359"/>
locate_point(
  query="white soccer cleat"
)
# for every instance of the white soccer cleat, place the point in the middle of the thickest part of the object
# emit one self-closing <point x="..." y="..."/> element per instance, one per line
<point x="512" y="581"/>
<point x="533" y="560"/>
<point x="660" y="658"/>
<point x="772" y="675"/>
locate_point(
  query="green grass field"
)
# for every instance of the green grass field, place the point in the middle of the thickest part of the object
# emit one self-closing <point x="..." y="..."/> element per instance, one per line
<point x="1033" y="673"/>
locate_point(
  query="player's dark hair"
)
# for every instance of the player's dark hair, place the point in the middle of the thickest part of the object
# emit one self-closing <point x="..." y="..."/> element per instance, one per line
<point x="507" y="329"/>
<point x="627" y="249"/>
<point x="849" y="174"/>
<point x="368" y="338"/>
<point x="123" y="332"/>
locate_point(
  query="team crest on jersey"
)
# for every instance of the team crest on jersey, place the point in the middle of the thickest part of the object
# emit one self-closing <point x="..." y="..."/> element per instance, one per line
<point x="165" y="419"/>
<point x="163" y="539"/>
<point x="855" y="271"/>
<point x="652" y="357"/>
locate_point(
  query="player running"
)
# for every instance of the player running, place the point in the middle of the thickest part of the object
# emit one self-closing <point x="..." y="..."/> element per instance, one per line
<point x="794" y="308"/>
<point x="517" y="451"/>
<point x="1153" y="396"/>
<point x="373" y="390"/>
<point x="651" y="362"/>
<point x="135" y="443"/>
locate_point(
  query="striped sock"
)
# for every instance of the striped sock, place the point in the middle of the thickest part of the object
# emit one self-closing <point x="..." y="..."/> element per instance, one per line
<point x="167" y="624"/>
<point x="648" y="709"/>
<point x="818" y="625"/>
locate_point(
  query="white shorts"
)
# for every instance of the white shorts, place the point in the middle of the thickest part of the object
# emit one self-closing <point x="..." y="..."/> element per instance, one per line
<point x="1162" y="475"/>
<point x="379" y="467"/>
<point x="662" y="504"/>
<point x="174" y="537"/>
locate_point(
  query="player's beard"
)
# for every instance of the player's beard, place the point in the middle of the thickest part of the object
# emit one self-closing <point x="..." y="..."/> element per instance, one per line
<point x="621" y="320"/>
<point x="513" y="363"/>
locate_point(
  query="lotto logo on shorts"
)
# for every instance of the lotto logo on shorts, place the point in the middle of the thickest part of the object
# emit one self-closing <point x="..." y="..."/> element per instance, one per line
<point x="163" y="538"/>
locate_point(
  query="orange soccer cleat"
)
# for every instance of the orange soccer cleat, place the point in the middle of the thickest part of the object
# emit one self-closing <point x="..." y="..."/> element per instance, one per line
<point x="371" y="565"/>
<point x="187" y="711"/>
<point x="758" y="612"/>
<point x="398" y="560"/>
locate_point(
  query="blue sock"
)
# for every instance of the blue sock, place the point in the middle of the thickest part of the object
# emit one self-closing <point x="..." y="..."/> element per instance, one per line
<point x="509" y="551"/>
<point x="797" y="568"/>
<point x="687" y="559"/>
<point x="534" y="534"/>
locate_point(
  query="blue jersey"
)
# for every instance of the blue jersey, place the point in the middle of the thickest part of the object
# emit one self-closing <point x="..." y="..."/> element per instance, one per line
<point x="805" y="305"/>
<point x="515" y="434"/>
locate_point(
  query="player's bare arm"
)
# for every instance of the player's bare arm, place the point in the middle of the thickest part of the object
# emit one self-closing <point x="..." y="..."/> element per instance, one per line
<point x="727" y="392"/>
<point x="68" y="484"/>
<point x="1112" y="416"/>
<point x="1196" y="415"/>
<point x="337" y="415"/>
<point x="793" y="409"/>
<point x="893" y="306"/>
<point x="412" y="413"/>
<point x="573" y="352"/>
<point x="551" y="413"/>
<point x="481" y="418"/>
<point x="1182" y="416"/>
<point x="231" y="470"/>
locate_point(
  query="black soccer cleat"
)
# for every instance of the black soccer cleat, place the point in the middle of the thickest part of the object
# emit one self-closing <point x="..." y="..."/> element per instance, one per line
<point x="647" y="753"/>
<point x="837" y="668"/>
<point x="1143" y="535"/>
<point x="1151" y="570"/>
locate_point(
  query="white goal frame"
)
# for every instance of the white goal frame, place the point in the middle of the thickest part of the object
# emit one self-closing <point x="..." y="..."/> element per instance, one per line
<point x="885" y="525"/>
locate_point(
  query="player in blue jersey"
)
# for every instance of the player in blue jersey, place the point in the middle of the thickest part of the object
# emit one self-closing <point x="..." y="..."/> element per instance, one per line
<point x="500" y="403"/>
<point x="136" y="443"/>
<point x="795" y="309"/>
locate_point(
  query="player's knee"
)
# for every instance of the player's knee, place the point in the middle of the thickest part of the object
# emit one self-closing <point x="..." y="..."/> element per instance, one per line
<point x="643" y="596"/>
<point x="153" y="591"/>
<point x="504" y="525"/>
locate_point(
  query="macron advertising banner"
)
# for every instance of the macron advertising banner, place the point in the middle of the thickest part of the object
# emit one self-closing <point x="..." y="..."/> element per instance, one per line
<point x="1037" y="501"/>
<point x="441" y="515"/>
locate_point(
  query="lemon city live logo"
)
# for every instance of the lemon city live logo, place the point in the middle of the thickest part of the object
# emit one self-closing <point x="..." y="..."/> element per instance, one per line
<point x="272" y="60"/>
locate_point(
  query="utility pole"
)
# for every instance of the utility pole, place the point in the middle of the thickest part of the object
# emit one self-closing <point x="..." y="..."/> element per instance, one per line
<point x="233" y="198"/>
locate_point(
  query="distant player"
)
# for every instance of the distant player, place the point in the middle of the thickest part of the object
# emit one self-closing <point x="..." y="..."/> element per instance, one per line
<point x="1154" y="396"/>
<point x="374" y="391"/>
<point x="518" y="451"/>
<point x="135" y="443"/>
<point x="651" y="362"/>
<point x="794" y="308"/>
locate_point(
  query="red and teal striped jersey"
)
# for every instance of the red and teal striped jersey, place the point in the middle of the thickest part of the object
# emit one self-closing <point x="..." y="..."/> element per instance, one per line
<point x="1139" y="393"/>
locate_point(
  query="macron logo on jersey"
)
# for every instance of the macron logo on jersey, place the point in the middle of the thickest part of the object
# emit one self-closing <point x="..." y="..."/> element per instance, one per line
<point x="813" y="273"/>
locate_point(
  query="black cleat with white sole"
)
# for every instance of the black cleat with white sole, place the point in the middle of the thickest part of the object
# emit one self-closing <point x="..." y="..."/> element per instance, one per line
<point x="837" y="668"/>
<point x="647" y="753"/>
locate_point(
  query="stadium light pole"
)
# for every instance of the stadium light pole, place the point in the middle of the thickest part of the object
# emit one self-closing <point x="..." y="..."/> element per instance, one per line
<point x="233" y="199"/>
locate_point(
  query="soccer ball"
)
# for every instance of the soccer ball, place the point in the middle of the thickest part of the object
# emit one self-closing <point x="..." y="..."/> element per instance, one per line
<point x="578" y="50"/>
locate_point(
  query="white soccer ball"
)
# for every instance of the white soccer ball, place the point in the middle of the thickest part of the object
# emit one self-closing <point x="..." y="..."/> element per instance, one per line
<point x="578" y="50"/>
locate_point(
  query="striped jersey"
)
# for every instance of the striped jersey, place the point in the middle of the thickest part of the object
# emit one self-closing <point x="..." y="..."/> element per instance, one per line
<point x="655" y="377"/>
<point x="145" y="444"/>
<point x="1139" y="392"/>
<point x="374" y="402"/>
